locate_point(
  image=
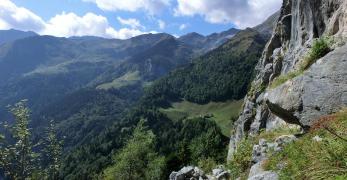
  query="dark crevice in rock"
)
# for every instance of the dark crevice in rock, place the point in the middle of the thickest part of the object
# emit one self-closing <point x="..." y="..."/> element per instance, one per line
<point x="283" y="114"/>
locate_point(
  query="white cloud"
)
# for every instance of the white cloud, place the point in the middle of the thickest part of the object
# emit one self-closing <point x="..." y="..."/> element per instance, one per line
<point x="12" y="16"/>
<point x="243" y="13"/>
<point x="133" y="23"/>
<point x="125" y="33"/>
<point x="161" y="24"/>
<point x="183" y="26"/>
<point x="69" y="24"/>
<point x="150" y="6"/>
<point x="64" y="24"/>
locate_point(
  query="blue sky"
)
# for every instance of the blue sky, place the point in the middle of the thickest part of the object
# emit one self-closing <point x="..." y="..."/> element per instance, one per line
<point x="127" y="18"/>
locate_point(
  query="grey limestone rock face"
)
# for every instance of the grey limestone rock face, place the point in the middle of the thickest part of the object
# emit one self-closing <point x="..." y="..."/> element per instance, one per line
<point x="321" y="90"/>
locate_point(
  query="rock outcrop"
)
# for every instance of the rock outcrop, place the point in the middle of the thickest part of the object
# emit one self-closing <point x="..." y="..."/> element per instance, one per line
<point x="320" y="90"/>
<point x="260" y="153"/>
<point x="195" y="173"/>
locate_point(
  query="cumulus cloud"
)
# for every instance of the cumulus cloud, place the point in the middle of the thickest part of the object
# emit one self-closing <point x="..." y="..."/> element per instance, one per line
<point x="243" y="13"/>
<point x="64" y="24"/>
<point x="133" y="23"/>
<point x="69" y="24"/>
<point x="161" y="24"/>
<point x="12" y="16"/>
<point x="125" y="33"/>
<point x="150" y="6"/>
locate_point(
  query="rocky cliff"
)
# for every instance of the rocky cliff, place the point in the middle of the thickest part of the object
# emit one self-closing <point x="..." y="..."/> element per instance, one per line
<point x="319" y="89"/>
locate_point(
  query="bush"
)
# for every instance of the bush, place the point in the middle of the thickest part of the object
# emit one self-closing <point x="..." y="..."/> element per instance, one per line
<point x="309" y="159"/>
<point x="319" y="49"/>
<point x="138" y="159"/>
<point x="242" y="159"/>
<point x="207" y="165"/>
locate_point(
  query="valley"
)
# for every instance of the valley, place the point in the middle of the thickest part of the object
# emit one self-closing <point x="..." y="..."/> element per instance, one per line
<point x="262" y="102"/>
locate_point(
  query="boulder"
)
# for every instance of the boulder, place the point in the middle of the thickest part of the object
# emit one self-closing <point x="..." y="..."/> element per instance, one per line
<point x="188" y="173"/>
<point x="266" y="175"/>
<point x="220" y="173"/>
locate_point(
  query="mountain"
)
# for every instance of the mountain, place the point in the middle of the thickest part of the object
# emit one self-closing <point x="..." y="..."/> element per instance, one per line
<point x="203" y="44"/>
<point x="97" y="90"/>
<point x="267" y="26"/>
<point x="297" y="101"/>
<point x="48" y="71"/>
<point x="221" y="74"/>
<point x="12" y="35"/>
<point x="200" y="82"/>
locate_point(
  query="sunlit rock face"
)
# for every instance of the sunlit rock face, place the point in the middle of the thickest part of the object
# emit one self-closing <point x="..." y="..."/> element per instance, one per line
<point x="320" y="90"/>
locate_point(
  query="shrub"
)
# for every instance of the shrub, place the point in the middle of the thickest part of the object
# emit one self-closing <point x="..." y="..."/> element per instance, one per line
<point x="207" y="165"/>
<point x="319" y="49"/>
<point x="242" y="159"/>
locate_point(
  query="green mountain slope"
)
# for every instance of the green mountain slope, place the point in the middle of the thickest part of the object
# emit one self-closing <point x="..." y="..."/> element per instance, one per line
<point x="12" y="35"/>
<point x="177" y="137"/>
<point x="221" y="74"/>
<point x="48" y="71"/>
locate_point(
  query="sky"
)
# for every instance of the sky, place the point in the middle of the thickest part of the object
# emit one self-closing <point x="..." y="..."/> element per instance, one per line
<point x="123" y="19"/>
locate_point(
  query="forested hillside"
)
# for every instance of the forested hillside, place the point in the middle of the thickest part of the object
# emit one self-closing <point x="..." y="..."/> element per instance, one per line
<point x="109" y="99"/>
<point x="221" y="74"/>
<point x="267" y="102"/>
<point x="87" y="84"/>
<point x="181" y="141"/>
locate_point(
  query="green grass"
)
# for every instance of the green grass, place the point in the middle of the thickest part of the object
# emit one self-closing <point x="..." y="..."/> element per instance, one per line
<point x="284" y="78"/>
<point x="311" y="160"/>
<point x="319" y="49"/>
<point x="223" y="113"/>
<point x="273" y="134"/>
<point x="128" y="79"/>
<point x="241" y="161"/>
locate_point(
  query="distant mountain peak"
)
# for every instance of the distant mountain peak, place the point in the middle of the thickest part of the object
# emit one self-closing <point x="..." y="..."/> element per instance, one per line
<point x="203" y="43"/>
<point x="13" y="34"/>
<point x="193" y="34"/>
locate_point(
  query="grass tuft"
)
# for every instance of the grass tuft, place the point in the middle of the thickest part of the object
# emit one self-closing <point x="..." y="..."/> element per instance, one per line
<point x="273" y="134"/>
<point x="284" y="78"/>
<point x="311" y="160"/>
<point x="241" y="161"/>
